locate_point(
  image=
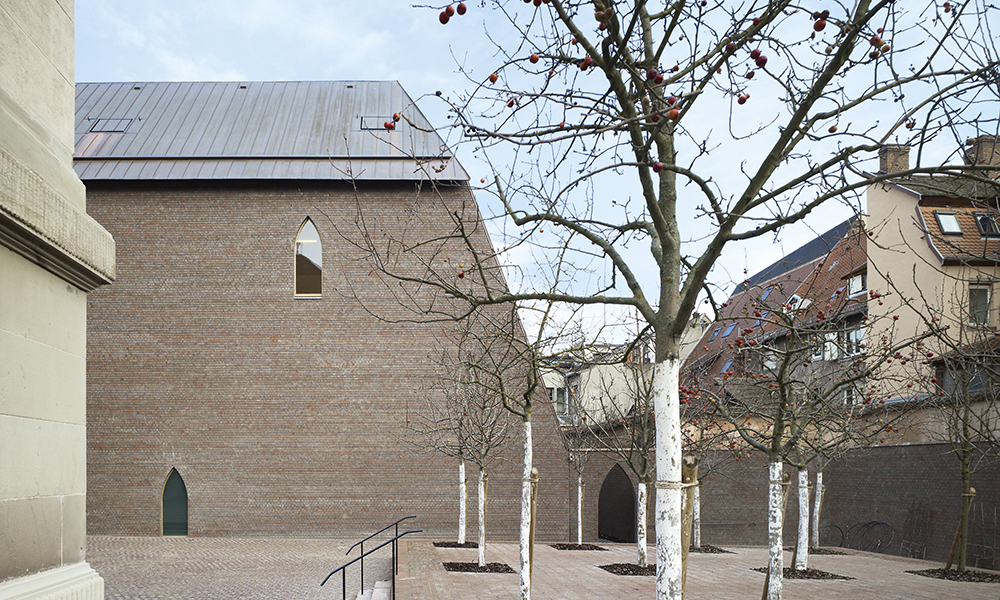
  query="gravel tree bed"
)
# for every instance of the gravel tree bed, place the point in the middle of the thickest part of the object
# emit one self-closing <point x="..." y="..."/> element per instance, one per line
<point x="630" y="569"/>
<point x="578" y="547"/>
<point x="790" y="573"/>
<point x="456" y="545"/>
<point x="473" y="567"/>
<point x="708" y="549"/>
<point x="953" y="575"/>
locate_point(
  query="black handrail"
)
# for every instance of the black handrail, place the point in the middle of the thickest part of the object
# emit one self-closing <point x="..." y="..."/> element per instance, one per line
<point x="343" y="568"/>
<point x="395" y="565"/>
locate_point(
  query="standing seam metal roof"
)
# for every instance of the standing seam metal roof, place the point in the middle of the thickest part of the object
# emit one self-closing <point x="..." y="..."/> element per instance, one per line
<point x="258" y="130"/>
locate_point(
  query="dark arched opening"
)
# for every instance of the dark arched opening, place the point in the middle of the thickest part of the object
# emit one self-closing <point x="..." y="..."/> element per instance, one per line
<point x="175" y="505"/>
<point x="616" y="507"/>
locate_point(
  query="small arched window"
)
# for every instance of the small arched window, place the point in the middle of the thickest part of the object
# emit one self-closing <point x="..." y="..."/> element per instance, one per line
<point x="175" y="505"/>
<point x="308" y="261"/>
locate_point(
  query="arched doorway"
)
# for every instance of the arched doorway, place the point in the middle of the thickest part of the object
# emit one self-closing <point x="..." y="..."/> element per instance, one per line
<point x="616" y="507"/>
<point x="175" y="505"/>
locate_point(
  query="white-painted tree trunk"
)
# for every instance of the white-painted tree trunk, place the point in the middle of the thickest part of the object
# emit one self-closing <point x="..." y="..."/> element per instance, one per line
<point x="579" y="508"/>
<point x="482" y="517"/>
<point x="696" y="537"/>
<point x="802" y="544"/>
<point x="640" y="523"/>
<point x="774" y="519"/>
<point x="667" y="515"/>
<point x="526" y="515"/>
<point x="463" y="496"/>
<point x="817" y="503"/>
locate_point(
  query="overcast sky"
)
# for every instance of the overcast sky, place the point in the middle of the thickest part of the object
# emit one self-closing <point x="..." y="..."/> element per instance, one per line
<point x="268" y="40"/>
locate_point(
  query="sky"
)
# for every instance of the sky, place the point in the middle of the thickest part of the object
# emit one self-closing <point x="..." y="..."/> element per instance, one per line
<point x="302" y="40"/>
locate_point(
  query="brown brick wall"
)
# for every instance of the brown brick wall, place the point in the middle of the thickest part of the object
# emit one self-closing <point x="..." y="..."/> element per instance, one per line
<point x="284" y="416"/>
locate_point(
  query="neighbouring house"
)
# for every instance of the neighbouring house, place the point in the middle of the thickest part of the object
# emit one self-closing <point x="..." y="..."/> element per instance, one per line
<point x="251" y="374"/>
<point x="924" y="255"/>
<point x="52" y="253"/>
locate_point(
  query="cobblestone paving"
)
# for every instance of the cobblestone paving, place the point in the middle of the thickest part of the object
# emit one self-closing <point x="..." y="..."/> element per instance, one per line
<point x="574" y="575"/>
<point x="136" y="568"/>
<point x="147" y="568"/>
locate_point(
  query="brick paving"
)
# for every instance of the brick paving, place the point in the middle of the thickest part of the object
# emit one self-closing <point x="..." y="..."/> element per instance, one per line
<point x="147" y="568"/>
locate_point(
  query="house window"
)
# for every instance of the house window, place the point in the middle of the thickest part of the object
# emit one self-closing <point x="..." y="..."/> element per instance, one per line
<point x="987" y="224"/>
<point x="729" y="330"/>
<point x="850" y="395"/>
<point x="715" y="334"/>
<point x="766" y="293"/>
<point x="726" y="366"/>
<point x="857" y="284"/>
<point x="854" y="341"/>
<point x="948" y="222"/>
<point x="763" y="316"/>
<point x="830" y="349"/>
<point x="979" y="305"/>
<point x="558" y="398"/>
<point x="308" y="261"/>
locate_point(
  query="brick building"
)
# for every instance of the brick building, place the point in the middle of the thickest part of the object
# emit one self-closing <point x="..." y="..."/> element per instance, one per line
<point x="250" y="371"/>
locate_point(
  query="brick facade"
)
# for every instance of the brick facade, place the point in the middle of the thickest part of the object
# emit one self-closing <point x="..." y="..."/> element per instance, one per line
<point x="285" y="416"/>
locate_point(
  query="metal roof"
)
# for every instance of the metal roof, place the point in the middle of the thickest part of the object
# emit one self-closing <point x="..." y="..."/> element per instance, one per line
<point x="257" y="130"/>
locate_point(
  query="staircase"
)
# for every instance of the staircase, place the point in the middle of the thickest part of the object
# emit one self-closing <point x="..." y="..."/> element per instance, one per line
<point x="382" y="591"/>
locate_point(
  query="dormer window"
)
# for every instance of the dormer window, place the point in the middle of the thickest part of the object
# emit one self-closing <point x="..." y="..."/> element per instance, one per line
<point x="948" y="222"/>
<point x="729" y="330"/>
<point x="987" y="224"/>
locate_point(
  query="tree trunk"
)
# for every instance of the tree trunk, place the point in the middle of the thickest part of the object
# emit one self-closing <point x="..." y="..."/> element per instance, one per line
<point x="802" y="544"/>
<point x="482" y="516"/>
<point x="463" y="496"/>
<point x="579" y="508"/>
<point x="696" y="540"/>
<point x="775" y="510"/>
<point x="668" y="470"/>
<point x="689" y="475"/>
<point x="817" y="506"/>
<point x="526" y="515"/>
<point x="640" y="523"/>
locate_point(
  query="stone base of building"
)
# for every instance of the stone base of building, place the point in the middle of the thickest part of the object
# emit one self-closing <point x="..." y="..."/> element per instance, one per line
<point x="75" y="582"/>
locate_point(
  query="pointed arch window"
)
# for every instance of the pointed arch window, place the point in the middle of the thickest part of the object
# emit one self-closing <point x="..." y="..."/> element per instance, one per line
<point x="308" y="261"/>
<point x="175" y="505"/>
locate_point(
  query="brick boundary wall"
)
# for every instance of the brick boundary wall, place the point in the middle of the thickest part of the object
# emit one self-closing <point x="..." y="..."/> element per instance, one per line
<point x="284" y="416"/>
<point x="917" y="490"/>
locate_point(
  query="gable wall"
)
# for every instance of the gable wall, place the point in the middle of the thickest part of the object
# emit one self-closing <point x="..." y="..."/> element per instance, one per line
<point x="284" y="416"/>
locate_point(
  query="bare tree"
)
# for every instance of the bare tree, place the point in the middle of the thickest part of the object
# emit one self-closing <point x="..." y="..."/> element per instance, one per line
<point x="464" y="418"/>
<point x="612" y="126"/>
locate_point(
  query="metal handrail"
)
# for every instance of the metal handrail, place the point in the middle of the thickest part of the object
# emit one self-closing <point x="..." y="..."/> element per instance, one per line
<point x="395" y="565"/>
<point x="395" y="561"/>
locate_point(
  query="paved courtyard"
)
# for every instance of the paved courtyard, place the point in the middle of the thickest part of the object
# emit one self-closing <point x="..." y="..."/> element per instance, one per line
<point x="231" y="569"/>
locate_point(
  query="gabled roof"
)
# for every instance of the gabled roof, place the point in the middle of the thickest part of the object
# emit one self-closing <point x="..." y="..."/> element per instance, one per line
<point x="808" y="252"/>
<point x="257" y="130"/>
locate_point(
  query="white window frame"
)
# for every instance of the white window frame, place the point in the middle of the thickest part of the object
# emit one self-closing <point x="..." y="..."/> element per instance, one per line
<point x="974" y="319"/>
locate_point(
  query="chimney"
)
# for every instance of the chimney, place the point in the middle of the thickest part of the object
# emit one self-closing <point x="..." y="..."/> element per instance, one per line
<point x="893" y="158"/>
<point x="984" y="150"/>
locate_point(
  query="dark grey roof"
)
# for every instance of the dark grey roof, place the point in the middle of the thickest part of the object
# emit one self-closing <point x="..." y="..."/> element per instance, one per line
<point x="944" y="186"/>
<point x="257" y="130"/>
<point x="817" y="247"/>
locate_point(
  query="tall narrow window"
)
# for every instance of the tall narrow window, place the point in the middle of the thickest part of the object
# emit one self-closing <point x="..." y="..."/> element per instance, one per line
<point x="308" y="261"/>
<point x="175" y="505"/>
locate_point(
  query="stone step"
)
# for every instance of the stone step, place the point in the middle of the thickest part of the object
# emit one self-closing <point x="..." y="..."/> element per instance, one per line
<point x="381" y="591"/>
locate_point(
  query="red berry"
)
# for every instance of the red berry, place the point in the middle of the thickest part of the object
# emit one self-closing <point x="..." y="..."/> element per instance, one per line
<point x="875" y="41"/>
<point x="461" y="275"/>
<point x="730" y="47"/>
<point x="654" y="118"/>
<point x="673" y="114"/>
<point x="819" y="25"/>
<point x="533" y="58"/>
<point x="460" y="9"/>
<point x="657" y="167"/>
<point x="450" y="10"/>
<point x="510" y="102"/>
<point x="749" y="75"/>
<point x="755" y="53"/>
<point x="756" y="21"/>
<point x="741" y="100"/>
<point x="444" y="17"/>
<point x="651" y="74"/>
<point x="671" y="100"/>
<point x="658" y="79"/>
<point x="493" y="78"/>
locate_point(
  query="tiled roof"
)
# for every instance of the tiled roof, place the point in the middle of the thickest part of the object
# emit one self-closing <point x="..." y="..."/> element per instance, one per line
<point x="257" y="130"/>
<point x="811" y="293"/>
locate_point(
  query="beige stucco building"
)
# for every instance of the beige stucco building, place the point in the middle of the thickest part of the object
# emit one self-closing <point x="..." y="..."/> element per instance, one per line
<point x="51" y="254"/>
